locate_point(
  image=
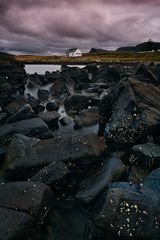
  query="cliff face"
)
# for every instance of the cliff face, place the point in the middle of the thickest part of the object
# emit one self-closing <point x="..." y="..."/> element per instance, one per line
<point x="12" y="74"/>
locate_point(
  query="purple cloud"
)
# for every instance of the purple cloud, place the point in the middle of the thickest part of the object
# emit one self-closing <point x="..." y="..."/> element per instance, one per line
<point x="52" y="25"/>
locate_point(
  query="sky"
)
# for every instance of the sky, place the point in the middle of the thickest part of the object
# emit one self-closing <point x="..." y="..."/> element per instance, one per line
<point x="52" y="26"/>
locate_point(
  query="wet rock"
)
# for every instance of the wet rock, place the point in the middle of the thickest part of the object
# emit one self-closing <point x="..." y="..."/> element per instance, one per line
<point x="31" y="85"/>
<point x="111" y="170"/>
<point x="131" y="111"/>
<point x="6" y="133"/>
<point x="66" y="121"/>
<point x="87" y="117"/>
<point x="78" y="102"/>
<point x="3" y="117"/>
<point x="157" y="71"/>
<point x="92" y="69"/>
<point x="110" y="76"/>
<point x="141" y="69"/>
<point x="26" y="156"/>
<point x="52" y="174"/>
<point x="52" y="106"/>
<point x="62" y="87"/>
<point x="37" y="79"/>
<point x="32" y="198"/>
<point x="15" y="105"/>
<point x="34" y="127"/>
<point x="77" y="74"/>
<point x="26" y="204"/>
<point x="136" y="174"/>
<point x="131" y="212"/>
<point x="51" y="119"/>
<point x="43" y="94"/>
<point x="16" y="225"/>
<point x="12" y="75"/>
<point x="23" y="113"/>
<point x="146" y="155"/>
<point x="39" y="108"/>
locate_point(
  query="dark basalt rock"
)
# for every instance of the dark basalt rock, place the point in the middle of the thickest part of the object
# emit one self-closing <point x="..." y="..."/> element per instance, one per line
<point x="3" y="117"/>
<point x="43" y="94"/>
<point x="111" y="170"/>
<point x="92" y="69"/>
<point x="110" y="76"/>
<point x="146" y="155"/>
<point x="16" y="225"/>
<point x="15" y="105"/>
<point x="62" y="87"/>
<point x="52" y="174"/>
<point x="39" y="108"/>
<point x="52" y="106"/>
<point x="23" y="113"/>
<point x="157" y="71"/>
<point x="66" y="121"/>
<point x="26" y="156"/>
<point x="77" y="74"/>
<point x="131" y="211"/>
<point x="12" y="77"/>
<point x="51" y="119"/>
<point x="87" y="117"/>
<point x="34" y="127"/>
<point x="130" y="112"/>
<point x="78" y="102"/>
<point x="23" y="206"/>
<point x="148" y="76"/>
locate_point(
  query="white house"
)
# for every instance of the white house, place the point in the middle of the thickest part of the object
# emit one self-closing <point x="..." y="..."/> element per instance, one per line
<point x="74" y="52"/>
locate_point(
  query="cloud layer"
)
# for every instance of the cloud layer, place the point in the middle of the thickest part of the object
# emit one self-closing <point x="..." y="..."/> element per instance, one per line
<point x="49" y="26"/>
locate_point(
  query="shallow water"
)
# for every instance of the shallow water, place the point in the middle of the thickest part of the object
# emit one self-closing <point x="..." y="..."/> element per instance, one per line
<point x="41" y="69"/>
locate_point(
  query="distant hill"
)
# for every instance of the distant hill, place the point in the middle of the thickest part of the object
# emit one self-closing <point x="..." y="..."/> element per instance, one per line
<point x="97" y="51"/>
<point x="142" y="47"/>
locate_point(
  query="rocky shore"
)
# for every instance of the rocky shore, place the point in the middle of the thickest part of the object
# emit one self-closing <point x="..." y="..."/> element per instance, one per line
<point x="90" y="136"/>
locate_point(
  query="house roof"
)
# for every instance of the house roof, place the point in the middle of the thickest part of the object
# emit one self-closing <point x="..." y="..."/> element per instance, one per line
<point x="71" y="50"/>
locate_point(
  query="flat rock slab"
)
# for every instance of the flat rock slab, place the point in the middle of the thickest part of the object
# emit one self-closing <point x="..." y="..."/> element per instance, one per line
<point x="34" y="127"/>
<point x="26" y="156"/>
<point x="31" y="198"/>
<point x="111" y="170"/>
<point x="51" y="174"/>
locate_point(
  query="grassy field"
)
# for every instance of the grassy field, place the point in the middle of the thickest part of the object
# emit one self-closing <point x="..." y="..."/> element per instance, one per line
<point x="107" y="57"/>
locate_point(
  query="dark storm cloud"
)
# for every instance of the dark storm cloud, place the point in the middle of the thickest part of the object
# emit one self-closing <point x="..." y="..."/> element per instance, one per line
<point x="48" y="26"/>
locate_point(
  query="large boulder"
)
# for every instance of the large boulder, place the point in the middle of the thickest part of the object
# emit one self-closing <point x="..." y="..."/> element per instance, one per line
<point x="12" y="77"/>
<point x="111" y="170"/>
<point x="62" y="87"/>
<point x="79" y="75"/>
<point x="23" y="113"/>
<point x="133" y="211"/>
<point x="110" y="76"/>
<point x="130" y="112"/>
<point x="78" y="102"/>
<point x="52" y="174"/>
<point x="142" y="70"/>
<point x="26" y="156"/>
<point x="43" y="94"/>
<point x="51" y="119"/>
<point x="23" y="206"/>
<point x="87" y="117"/>
<point x="16" y="225"/>
<point x="146" y="155"/>
<point x="34" y="127"/>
